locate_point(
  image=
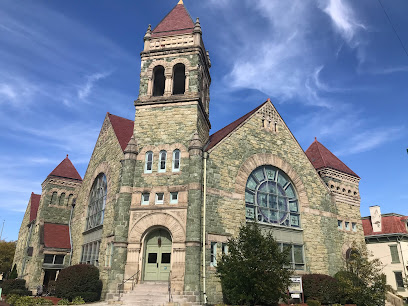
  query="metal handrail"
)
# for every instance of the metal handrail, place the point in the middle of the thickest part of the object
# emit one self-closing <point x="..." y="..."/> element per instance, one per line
<point x="169" y="288"/>
<point x="121" y="287"/>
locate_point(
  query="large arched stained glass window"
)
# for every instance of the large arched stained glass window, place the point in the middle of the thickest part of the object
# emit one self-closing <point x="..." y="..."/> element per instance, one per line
<point x="270" y="197"/>
<point x="97" y="202"/>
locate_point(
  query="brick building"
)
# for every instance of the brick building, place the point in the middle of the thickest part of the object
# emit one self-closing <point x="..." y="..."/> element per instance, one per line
<point x="160" y="193"/>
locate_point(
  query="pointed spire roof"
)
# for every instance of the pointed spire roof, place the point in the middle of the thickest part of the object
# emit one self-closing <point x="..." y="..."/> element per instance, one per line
<point x="321" y="157"/>
<point x="67" y="170"/>
<point x="178" y="21"/>
<point x="225" y="131"/>
<point x="35" y="203"/>
<point x="123" y="129"/>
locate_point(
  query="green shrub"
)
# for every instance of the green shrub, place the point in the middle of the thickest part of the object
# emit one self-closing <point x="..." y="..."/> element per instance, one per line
<point x="253" y="277"/>
<point x="78" y="300"/>
<point x="41" y="301"/>
<point x="79" y="280"/>
<point x="12" y="298"/>
<point x="24" y="301"/>
<point x="13" y="284"/>
<point x="63" y="302"/>
<point x="313" y="303"/>
<point x="321" y="287"/>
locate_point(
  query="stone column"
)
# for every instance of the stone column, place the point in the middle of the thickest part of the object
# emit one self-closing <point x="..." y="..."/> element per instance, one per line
<point x="192" y="277"/>
<point x="122" y="215"/>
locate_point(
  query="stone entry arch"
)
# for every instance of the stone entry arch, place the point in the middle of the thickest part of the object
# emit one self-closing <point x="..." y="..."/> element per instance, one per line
<point x="144" y="223"/>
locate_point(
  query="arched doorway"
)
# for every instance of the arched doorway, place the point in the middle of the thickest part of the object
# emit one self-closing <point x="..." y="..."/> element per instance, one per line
<point x="157" y="259"/>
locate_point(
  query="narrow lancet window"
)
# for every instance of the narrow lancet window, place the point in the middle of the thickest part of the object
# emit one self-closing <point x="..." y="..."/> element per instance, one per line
<point x="158" y="81"/>
<point x="162" y="161"/>
<point x="179" y="79"/>
<point x="176" y="160"/>
<point x="149" y="162"/>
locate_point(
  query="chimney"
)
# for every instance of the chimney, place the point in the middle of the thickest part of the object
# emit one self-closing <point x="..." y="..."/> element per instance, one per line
<point x="375" y="213"/>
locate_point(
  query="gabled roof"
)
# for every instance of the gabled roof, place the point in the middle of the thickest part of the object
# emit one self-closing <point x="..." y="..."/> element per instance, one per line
<point x="123" y="129"/>
<point x="178" y="21"/>
<point x="66" y="169"/>
<point x="389" y="224"/>
<point x="321" y="158"/>
<point x="35" y="203"/>
<point x="56" y="236"/>
<point x="225" y="131"/>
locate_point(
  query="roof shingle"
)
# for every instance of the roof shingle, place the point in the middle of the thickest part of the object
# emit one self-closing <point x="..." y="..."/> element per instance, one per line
<point x="123" y="129"/>
<point x="321" y="158"/>
<point x="178" y="21"/>
<point x="35" y="203"/>
<point x="389" y="225"/>
<point x="66" y="169"/>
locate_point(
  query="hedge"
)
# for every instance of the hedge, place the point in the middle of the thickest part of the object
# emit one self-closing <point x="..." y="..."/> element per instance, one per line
<point x="79" y="280"/>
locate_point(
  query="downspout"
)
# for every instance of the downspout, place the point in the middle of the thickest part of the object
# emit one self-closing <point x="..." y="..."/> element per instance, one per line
<point x="205" y="155"/>
<point x="69" y="227"/>
<point x="402" y="257"/>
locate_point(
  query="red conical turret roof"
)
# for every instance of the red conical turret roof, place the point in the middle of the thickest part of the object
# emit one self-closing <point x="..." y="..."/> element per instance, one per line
<point x="321" y="158"/>
<point x="66" y="169"/>
<point x="178" y="21"/>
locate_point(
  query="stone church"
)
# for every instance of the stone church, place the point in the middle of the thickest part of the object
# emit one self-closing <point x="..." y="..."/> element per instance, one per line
<point x="161" y="196"/>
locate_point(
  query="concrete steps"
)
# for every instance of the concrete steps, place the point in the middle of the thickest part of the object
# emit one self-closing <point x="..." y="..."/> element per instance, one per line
<point x="155" y="294"/>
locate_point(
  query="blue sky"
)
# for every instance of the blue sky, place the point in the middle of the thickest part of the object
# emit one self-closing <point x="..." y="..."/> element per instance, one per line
<point x="334" y="69"/>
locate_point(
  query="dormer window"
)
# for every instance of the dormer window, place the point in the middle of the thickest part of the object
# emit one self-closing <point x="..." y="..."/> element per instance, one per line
<point x="158" y="81"/>
<point x="179" y="79"/>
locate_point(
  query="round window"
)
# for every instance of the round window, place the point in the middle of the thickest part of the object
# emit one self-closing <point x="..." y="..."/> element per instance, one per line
<point x="270" y="197"/>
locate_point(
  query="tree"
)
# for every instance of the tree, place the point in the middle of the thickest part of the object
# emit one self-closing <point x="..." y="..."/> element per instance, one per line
<point x="253" y="270"/>
<point x="362" y="281"/>
<point x="7" y="250"/>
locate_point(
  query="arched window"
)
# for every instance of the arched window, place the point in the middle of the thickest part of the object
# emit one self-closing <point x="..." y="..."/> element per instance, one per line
<point x="162" y="161"/>
<point x="70" y="197"/>
<point x="62" y="199"/>
<point x="97" y="202"/>
<point x="179" y="79"/>
<point x="149" y="162"/>
<point x="53" y="200"/>
<point x="270" y="197"/>
<point x="158" y="81"/>
<point x="176" y="160"/>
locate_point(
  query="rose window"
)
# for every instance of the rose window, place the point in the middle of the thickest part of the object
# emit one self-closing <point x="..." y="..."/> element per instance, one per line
<point x="270" y="197"/>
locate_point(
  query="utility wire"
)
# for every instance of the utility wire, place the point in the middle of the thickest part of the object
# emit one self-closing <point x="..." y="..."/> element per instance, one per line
<point x="395" y="31"/>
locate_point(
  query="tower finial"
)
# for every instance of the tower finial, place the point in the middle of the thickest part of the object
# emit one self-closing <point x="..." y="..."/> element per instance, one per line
<point x="197" y="27"/>
<point x="180" y="2"/>
<point x="148" y="32"/>
<point x="315" y="138"/>
<point x="67" y="155"/>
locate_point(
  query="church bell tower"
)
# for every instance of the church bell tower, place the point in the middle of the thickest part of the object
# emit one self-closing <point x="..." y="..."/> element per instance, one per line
<point x="175" y="77"/>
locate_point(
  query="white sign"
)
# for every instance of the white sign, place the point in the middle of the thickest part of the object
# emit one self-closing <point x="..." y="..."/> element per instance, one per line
<point x="295" y="285"/>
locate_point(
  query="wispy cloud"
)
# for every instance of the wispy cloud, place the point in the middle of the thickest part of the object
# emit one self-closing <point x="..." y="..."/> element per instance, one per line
<point x="370" y="139"/>
<point x="344" y="20"/>
<point x="86" y="89"/>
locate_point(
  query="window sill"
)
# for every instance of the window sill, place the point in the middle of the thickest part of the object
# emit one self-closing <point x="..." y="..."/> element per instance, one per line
<point x="94" y="229"/>
<point x="395" y="262"/>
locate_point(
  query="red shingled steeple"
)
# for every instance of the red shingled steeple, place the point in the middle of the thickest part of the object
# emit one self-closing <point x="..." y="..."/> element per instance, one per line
<point x="66" y="169"/>
<point x="178" y="21"/>
<point x="321" y="158"/>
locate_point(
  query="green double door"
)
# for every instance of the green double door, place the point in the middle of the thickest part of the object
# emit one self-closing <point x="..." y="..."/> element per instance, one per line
<point x="157" y="256"/>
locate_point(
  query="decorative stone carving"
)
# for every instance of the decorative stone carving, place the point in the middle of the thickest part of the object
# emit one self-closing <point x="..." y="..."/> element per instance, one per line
<point x="270" y="117"/>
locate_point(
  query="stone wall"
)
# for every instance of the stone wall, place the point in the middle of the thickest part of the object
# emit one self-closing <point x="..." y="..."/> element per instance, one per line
<point x="229" y="165"/>
<point x="105" y="159"/>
